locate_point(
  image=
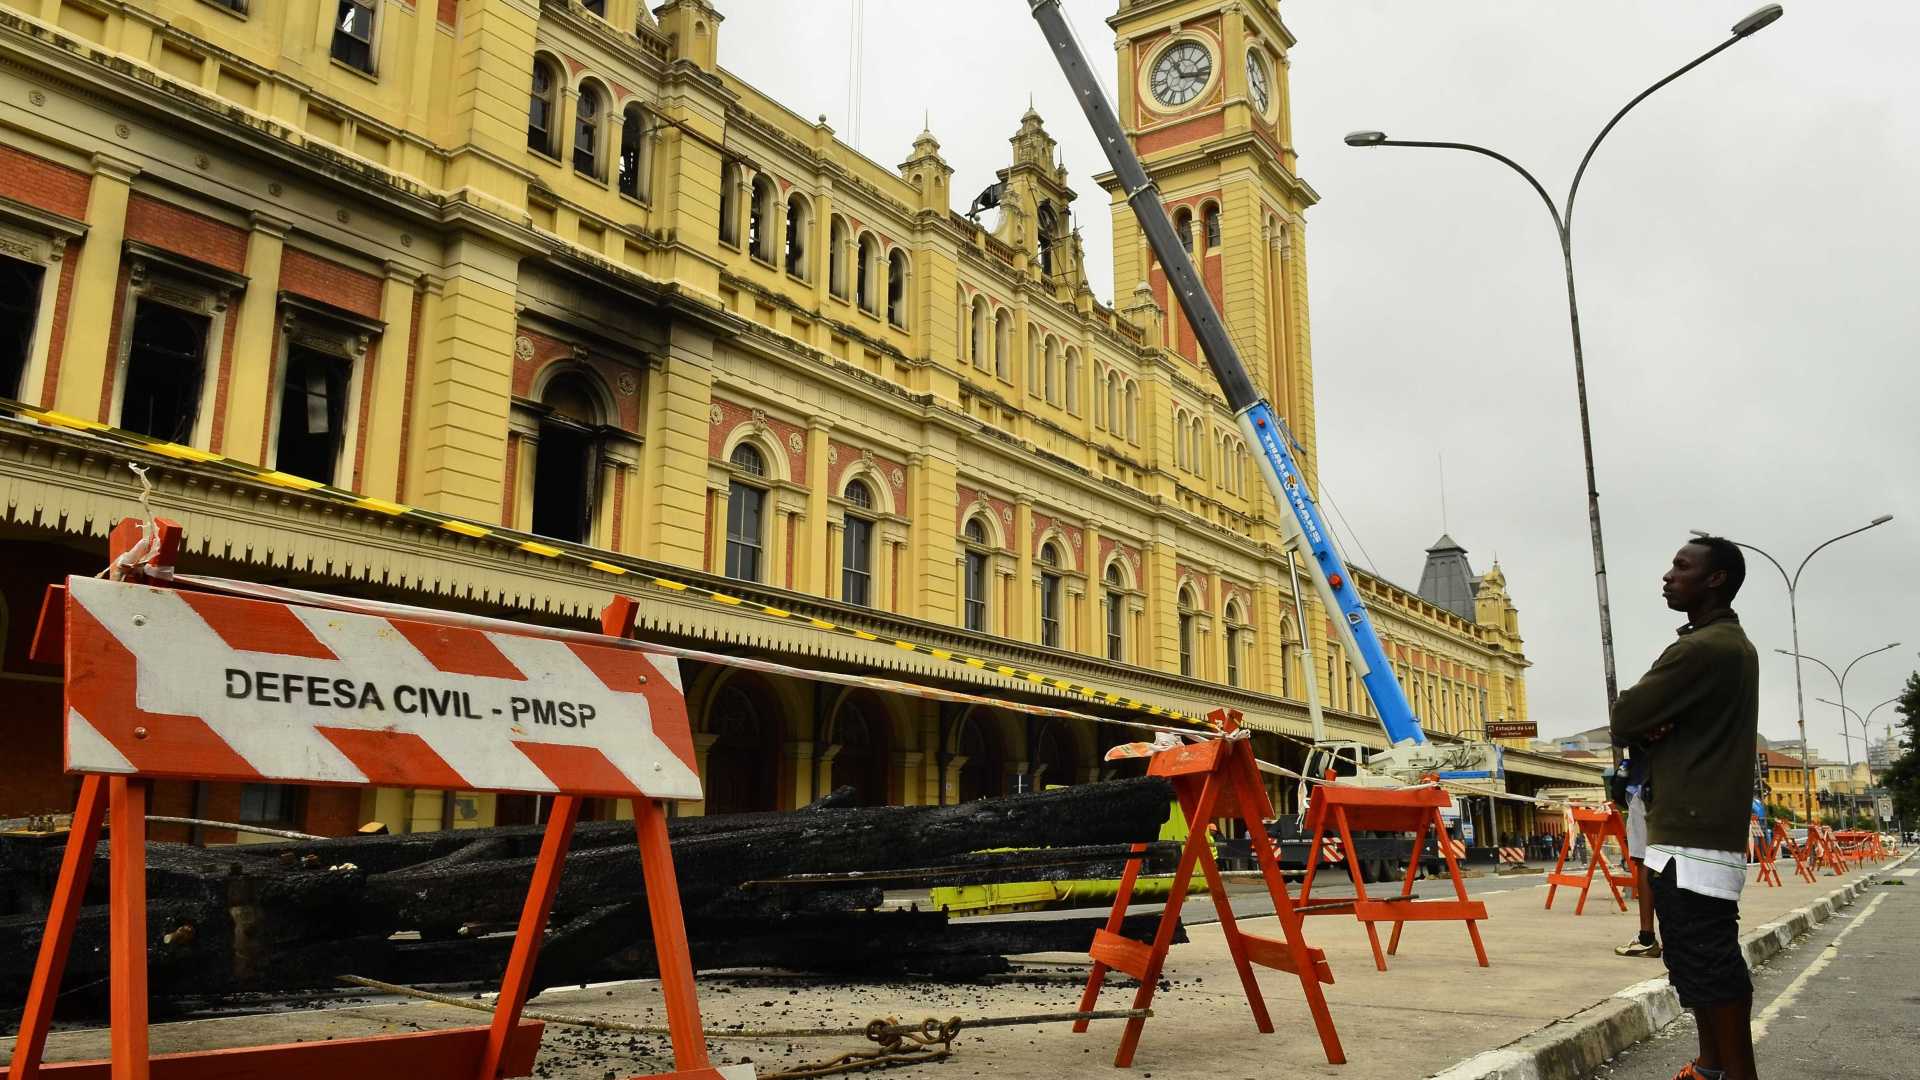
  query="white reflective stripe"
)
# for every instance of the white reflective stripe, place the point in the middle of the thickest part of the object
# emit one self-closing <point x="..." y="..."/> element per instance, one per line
<point x="86" y="745"/>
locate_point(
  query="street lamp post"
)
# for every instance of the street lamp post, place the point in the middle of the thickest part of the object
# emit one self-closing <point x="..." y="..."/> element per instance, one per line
<point x="1793" y="617"/>
<point x="1866" y="738"/>
<point x="1563" y="227"/>
<point x="1840" y="678"/>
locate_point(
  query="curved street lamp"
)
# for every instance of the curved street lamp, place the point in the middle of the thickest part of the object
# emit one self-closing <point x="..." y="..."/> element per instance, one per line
<point x="1840" y="678"/>
<point x="1866" y="740"/>
<point x="1563" y="226"/>
<point x="1793" y="617"/>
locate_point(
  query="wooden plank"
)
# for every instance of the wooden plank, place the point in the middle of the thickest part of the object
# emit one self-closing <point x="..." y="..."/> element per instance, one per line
<point x="1424" y="911"/>
<point x="448" y="1054"/>
<point x="1121" y="954"/>
<point x="1275" y="953"/>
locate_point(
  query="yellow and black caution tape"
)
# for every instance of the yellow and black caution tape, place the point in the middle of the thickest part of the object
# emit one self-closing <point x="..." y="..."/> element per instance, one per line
<point x="610" y="563"/>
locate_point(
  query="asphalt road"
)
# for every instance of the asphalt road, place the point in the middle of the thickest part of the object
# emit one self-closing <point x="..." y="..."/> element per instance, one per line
<point x="1844" y="1001"/>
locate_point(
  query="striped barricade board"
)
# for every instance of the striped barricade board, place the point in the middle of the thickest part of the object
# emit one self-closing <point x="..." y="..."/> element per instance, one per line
<point x="170" y="683"/>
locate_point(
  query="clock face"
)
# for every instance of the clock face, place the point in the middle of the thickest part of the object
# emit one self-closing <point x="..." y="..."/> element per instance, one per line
<point x="1259" y="83"/>
<point x="1181" y="73"/>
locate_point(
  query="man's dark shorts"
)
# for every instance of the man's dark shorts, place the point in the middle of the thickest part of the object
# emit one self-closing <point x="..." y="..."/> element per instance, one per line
<point x="1700" y="941"/>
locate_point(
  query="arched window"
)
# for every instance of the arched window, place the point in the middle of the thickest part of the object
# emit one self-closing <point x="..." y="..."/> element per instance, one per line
<point x="636" y="154"/>
<point x="856" y="546"/>
<point x="1050" y="595"/>
<point x="1049" y="233"/>
<point x="1211" y="216"/>
<point x="598" y="7"/>
<point x="563" y="460"/>
<point x="760" y="213"/>
<point x="743" y="763"/>
<point x="975" y="574"/>
<point x="978" y="341"/>
<point x="746" y="513"/>
<point x="1197" y="431"/>
<point x="589" y="114"/>
<point x="1133" y="411"/>
<point x="982" y="775"/>
<point x="861" y="762"/>
<point x="837" y="256"/>
<point x="1071" y="378"/>
<point x="897" y="271"/>
<point x="1116" y="614"/>
<point x="1233" y="643"/>
<point x="1183" y="227"/>
<point x="799" y="237"/>
<point x="867" y="265"/>
<point x="1099" y="398"/>
<point x="543" y="111"/>
<point x="1186" y="632"/>
<point x="1003" y="345"/>
<point x="730" y="203"/>
<point x="1115" y="409"/>
<point x="1051" y="372"/>
<point x="1034" y="362"/>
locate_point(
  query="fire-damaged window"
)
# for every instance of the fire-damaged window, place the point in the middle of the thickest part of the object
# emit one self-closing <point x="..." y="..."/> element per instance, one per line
<point x="313" y="407"/>
<point x="19" y="310"/>
<point x="166" y="360"/>
<point x="564" y="462"/>
<point x="323" y="349"/>
<point x="269" y="804"/>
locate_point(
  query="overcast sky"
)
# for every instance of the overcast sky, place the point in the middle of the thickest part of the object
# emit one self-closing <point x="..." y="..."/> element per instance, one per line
<point x="1742" y="247"/>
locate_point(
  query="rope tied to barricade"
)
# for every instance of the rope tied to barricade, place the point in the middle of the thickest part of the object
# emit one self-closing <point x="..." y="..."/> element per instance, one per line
<point x="136" y="559"/>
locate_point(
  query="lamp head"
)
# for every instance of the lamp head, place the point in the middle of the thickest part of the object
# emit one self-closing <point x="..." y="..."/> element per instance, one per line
<point x="1881" y="520"/>
<point x="1758" y="21"/>
<point x="1366" y="138"/>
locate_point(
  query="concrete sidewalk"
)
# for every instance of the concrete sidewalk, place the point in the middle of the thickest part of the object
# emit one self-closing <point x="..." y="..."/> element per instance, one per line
<point x="1432" y="1009"/>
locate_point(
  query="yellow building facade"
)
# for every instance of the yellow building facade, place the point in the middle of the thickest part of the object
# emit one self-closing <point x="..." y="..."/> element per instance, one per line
<point x="552" y="269"/>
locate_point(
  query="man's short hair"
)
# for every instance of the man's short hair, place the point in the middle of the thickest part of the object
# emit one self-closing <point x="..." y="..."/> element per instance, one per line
<point x="1724" y="554"/>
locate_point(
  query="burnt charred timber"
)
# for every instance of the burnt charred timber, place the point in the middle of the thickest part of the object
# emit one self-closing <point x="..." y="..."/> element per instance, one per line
<point x="440" y="907"/>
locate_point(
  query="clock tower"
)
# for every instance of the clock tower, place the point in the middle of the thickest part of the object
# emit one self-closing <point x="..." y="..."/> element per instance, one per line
<point x="1203" y="94"/>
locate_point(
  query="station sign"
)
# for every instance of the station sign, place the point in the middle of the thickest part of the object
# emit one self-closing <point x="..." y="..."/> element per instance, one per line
<point x="1512" y="729"/>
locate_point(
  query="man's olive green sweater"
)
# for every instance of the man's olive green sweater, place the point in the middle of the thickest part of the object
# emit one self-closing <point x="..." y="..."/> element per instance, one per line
<point x="1696" y="713"/>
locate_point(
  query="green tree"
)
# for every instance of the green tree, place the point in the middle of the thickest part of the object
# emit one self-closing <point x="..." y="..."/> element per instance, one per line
<point x="1902" y="778"/>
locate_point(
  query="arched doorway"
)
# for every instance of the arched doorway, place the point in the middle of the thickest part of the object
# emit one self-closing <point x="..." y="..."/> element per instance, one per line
<point x="984" y="771"/>
<point x="1053" y="764"/>
<point x="744" y="762"/>
<point x="860" y="730"/>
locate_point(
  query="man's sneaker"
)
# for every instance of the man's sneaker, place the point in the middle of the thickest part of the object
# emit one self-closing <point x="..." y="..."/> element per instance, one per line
<point x="1637" y="948"/>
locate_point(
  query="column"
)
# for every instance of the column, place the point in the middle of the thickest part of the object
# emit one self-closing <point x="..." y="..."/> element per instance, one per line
<point x="84" y="362"/>
<point x="676" y="489"/>
<point x="465" y="381"/>
<point x="1093" y="639"/>
<point x="702" y="746"/>
<point x="1023" y="616"/>
<point x="813" y="550"/>
<point x="387" y="389"/>
<point x="798" y="755"/>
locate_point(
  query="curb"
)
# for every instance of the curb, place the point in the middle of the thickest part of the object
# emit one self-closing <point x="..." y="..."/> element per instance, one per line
<point x="1569" y="1048"/>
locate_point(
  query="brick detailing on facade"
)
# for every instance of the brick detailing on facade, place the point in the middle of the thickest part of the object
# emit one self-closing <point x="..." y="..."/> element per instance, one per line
<point x="843" y="458"/>
<point x="187" y="234"/>
<point x="315" y="278"/>
<point x="38" y="182"/>
<point x="788" y="441"/>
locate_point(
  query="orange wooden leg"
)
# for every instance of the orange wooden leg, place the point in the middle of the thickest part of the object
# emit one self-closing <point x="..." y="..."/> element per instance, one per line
<point x="76" y="866"/>
<point x="1460" y="894"/>
<point x="1199" y="811"/>
<point x="533" y="927"/>
<point x="669" y="936"/>
<point x="1316" y="827"/>
<point x="1359" y="887"/>
<point x="1292" y="929"/>
<point x="1406" y="886"/>
<point x="127" y="926"/>
<point x="1559" y="864"/>
<point x="1097" y="978"/>
<point x="1236" y="946"/>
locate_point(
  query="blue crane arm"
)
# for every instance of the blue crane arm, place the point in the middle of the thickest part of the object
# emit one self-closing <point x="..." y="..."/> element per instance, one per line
<point x="1258" y="423"/>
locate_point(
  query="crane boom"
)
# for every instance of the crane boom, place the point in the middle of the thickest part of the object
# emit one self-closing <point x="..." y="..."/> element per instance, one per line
<point x="1258" y="423"/>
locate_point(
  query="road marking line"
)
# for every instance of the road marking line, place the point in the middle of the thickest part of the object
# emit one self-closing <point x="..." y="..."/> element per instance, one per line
<point x="1905" y="873"/>
<point x="1819" y="964"/>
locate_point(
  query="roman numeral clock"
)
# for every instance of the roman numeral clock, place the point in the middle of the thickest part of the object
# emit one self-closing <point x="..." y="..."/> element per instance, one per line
<point x="1180" y="72"/>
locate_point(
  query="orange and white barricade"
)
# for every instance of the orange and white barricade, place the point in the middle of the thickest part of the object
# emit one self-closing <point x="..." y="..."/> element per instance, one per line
<point x="1214" y="779"/>
<point x="167" y="683"/>
<point x="1803" y="865"/>
<point x="1341" y="809"/>
<point x="1598" y="825"/>
<point x="1760" y="850"/>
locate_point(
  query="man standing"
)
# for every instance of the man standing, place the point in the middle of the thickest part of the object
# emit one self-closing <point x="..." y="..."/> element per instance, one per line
<point x="1696" y="714"/>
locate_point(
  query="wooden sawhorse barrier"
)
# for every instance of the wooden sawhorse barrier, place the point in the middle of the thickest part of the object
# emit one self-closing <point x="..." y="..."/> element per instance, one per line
<point x="1802" y="864"/>
<point x="123" y="731"/>
<point x="1214" y="779"/>
<point x="1345" y="808"/>
<point x="1760" y="848"/>
<point x="1598" y="826"/>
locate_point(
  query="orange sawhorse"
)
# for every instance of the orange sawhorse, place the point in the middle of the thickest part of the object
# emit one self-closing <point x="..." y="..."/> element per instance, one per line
<point x="506" y="1047"/>
<point x="1802" y="864"/>
<point x="1598" y="825"/>
<point x="1824" y="851"/>
<point x="1346" y="808"/>
<point x="1213" y="779"/>
<point x="1761" y="849"/>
